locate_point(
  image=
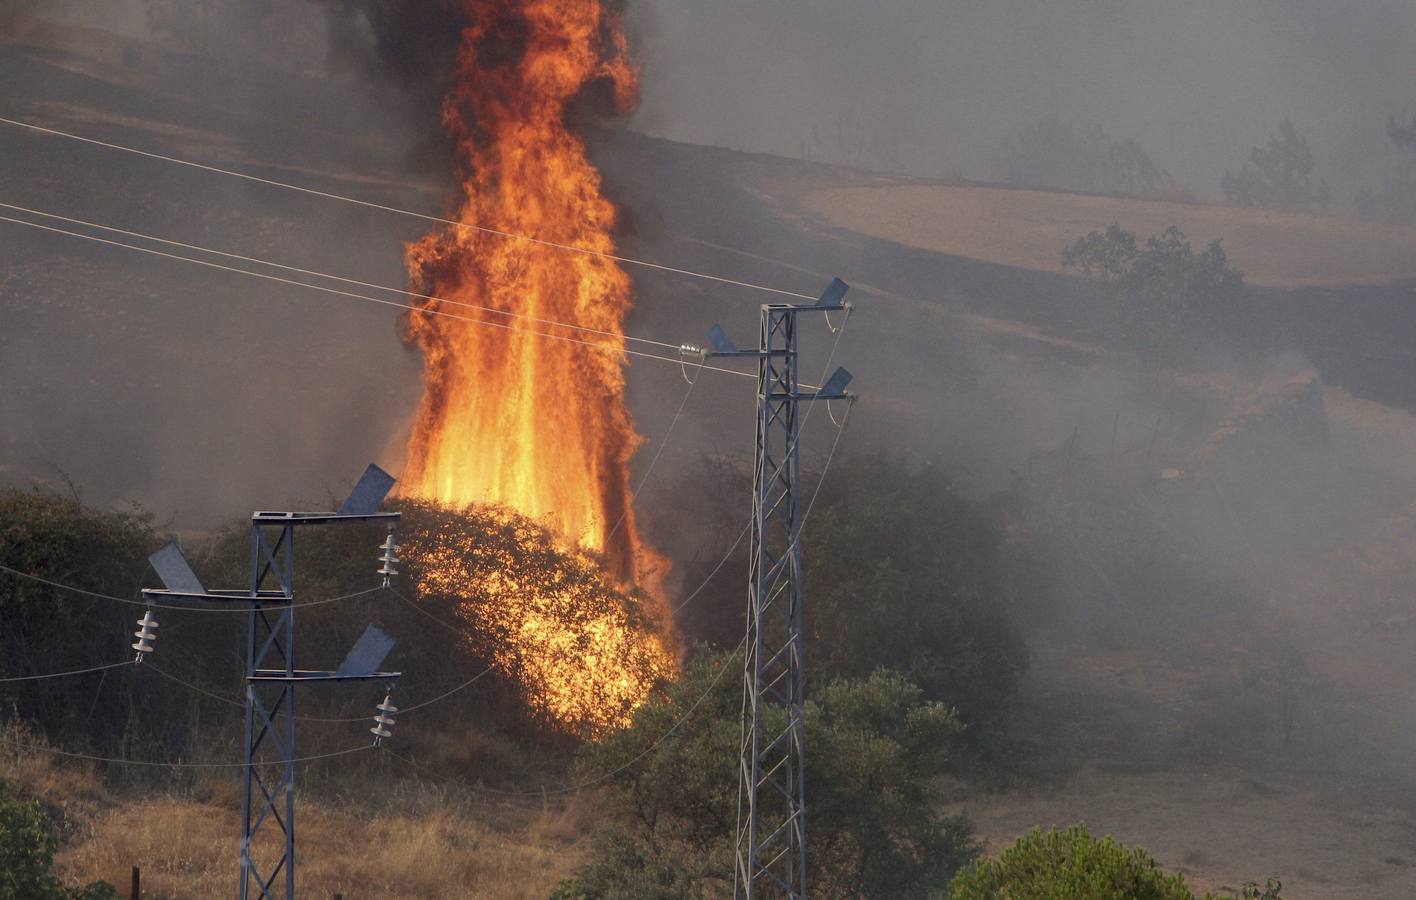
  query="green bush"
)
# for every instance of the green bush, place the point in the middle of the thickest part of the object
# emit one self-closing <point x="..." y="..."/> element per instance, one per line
<point x="1171" y="296"/>
<point x="1068" y="865"/>
<point x="902" y="571"/>
<point x="27" y="853"/>
<point x="872" y="827"/>
<point x="48" y="629"/>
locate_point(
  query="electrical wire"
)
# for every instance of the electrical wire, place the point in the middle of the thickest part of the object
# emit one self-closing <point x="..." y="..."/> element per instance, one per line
<point x="117" y="665"/>
<point x="266" y="607"/>
<point x="317" y="274"/>
<point x="393" y="209"/>
<point x="349" y="294"/>
<point x="36" y="748"/>
<point x="644" y="479"/>
<point x="601" y="779"/>
<point x="839" y="331"/>
<point x="402" y="710"/>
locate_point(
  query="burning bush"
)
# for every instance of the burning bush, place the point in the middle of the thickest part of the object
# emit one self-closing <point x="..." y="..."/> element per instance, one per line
<point x="585" y="652"/>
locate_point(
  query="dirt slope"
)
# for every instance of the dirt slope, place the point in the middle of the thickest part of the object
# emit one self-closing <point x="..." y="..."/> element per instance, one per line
<point x="1028" y="229"/>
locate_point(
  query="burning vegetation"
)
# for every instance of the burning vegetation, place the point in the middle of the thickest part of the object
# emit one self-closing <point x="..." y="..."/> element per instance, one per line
<point x="585" y="653"/>
<point x="520" y="412"/>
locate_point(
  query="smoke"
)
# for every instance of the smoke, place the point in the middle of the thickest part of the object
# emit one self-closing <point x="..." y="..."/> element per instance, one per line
<point x="200" y="396"/>
<point x="930" y="87"/>
<point x="410" y="42"/>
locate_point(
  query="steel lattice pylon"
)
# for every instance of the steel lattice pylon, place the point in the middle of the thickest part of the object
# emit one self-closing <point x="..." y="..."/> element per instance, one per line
<point x="270" y="717"/>
<point x="771" y="836"/>
<point x="268" y="804"/>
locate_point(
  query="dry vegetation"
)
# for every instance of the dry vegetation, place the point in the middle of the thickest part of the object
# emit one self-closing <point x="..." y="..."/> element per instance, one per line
<point x="1028" y="229"/>
<point x="391" y="838"/>
<point x="1222" y="828"/>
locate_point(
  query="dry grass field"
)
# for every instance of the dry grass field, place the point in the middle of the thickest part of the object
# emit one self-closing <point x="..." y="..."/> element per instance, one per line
<point x="1029" y="229"/>
<point x="1221" y="828"/>
<point x="396" y="838"/>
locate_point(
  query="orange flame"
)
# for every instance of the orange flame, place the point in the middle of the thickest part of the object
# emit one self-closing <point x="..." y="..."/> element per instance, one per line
<point x="535" y="424"/>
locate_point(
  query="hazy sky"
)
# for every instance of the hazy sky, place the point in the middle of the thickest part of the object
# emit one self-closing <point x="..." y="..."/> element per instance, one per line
<point x="928" y="86"/>
<point x="932" y="84"/>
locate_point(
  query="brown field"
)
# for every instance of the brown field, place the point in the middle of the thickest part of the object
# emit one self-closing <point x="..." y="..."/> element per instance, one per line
<point x="1221" y="828"/>
<point x="394" y="838"/>
<point x="1029" y="229"/>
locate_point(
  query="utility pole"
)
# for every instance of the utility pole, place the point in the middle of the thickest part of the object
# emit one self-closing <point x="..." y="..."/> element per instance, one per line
<point x="771" y="834"/>
<point x="268" y="807"/>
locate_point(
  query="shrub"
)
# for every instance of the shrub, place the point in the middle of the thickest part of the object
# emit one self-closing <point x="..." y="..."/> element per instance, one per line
<point x="1395" y="200"/>
<point x="1172" y="295"/>
<point x="1071" y="864"/>
<point x="48" y="630"/>
<point x="1051" y="154"/>
<point x="27" y="853"/>
<point x="876" y="746"/>
<point x="902" y="571"/>
<point x="1068" y="864"/>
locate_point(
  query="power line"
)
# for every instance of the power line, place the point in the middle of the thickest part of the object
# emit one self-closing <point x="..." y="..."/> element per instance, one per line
<point x="664" y="442"/>
<point x="573" y="788"/>
<point x="393" y="209"/>
<point x="273" y="607"/>
<point x="402" y="710"/>
<point x="364" y="297"/>
<point x="353" y="281"/>
<point x="806" y="416"/>
<point x="37" y="748"/>
<point x="117" y="665"/>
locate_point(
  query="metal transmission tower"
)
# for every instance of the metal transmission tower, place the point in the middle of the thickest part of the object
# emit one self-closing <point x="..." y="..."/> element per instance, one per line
<point x="268" y="810"/>
<point x="771" y="836"/>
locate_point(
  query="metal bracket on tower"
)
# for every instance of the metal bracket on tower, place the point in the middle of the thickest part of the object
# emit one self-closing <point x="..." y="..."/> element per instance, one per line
<point x="771" y="836"/>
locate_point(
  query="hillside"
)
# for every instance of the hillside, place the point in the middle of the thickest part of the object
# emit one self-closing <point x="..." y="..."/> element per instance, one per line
<point x="1187" y="728"/>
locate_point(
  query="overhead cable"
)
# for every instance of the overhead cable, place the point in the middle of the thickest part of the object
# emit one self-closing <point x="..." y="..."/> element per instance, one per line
<point x="268" y="607"/>
<point x="353" y="281"/>
<point x="472" y="226"/>
<point x="601" y="779"/>
<point x="117" y="665"/>
<point x="39" y="748"/>
<point x="329" y="290"/>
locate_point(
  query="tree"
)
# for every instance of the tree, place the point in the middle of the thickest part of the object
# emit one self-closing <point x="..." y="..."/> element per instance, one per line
<point x="1395" y="200"/>
<point x="1172" y="295"/>
<point x="905" y="572"/>
<point x="872" y="826"/>
<point x="1402" y="133"/>
<point x="1050" y="153"/>
<point x="1281" y="176"/>
<point x="56" y="537"/>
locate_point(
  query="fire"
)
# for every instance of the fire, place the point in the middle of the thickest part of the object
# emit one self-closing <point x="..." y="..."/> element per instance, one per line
<point x="534" y="424"/>
<point x="584" y="652"/>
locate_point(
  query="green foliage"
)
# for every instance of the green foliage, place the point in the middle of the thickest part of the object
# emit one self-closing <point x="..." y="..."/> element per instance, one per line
<point x="1172" y="294"/>
<point x="27" y="853"/>
<point x="626" y="868"/>
<point x="48" y="630"/>
<point x="1280" y="177"/>
<point x="1050" y="153"/>
<point x="1068" y="865"/>
<point x="872" y="828"/>
<point x="906" y="573"/>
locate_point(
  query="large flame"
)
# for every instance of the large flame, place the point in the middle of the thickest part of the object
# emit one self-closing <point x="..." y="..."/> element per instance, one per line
<point x="535" y="424"/>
